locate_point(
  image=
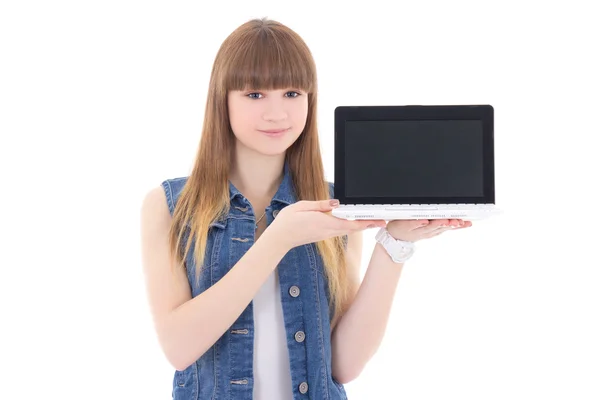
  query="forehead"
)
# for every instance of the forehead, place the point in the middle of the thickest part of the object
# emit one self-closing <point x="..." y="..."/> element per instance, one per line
<point x="269" y="59"/>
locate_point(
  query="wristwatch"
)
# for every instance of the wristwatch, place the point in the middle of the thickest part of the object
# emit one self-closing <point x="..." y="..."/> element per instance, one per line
<point x="399" y="250"/>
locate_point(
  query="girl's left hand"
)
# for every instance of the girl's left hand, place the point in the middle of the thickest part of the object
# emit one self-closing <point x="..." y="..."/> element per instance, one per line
<point x="414" y="230"/>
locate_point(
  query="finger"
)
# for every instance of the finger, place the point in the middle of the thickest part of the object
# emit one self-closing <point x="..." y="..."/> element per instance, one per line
<point x="376" y="223"/>
<point x="466" y="224"/>
<point x="359" y="225"/>
<point x="341" y="225"/>
<point x="452" y="223"/>
<point x="319" y="205"/>
<point x="435" y="224"/>
<point x="368" y="224"/>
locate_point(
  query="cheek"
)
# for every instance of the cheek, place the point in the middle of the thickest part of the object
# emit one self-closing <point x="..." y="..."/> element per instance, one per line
<point x="299" y="115"/>
<point x="240" y="122"/>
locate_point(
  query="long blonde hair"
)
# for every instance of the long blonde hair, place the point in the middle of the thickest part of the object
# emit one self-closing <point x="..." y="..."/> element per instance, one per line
<point x="260" y="54"/>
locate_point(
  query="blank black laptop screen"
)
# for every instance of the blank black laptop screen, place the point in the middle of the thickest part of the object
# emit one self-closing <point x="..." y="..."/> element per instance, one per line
<point x="431" y="158"/>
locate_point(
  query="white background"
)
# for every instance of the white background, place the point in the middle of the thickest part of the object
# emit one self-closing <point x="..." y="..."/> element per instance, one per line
<point x="101" y="101"/>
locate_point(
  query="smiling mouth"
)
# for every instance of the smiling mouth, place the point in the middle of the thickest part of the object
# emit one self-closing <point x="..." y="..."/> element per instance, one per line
<point x="274" y="131"/>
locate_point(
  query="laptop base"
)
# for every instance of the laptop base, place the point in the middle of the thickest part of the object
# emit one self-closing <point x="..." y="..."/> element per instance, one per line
<point x="390" y="212"/>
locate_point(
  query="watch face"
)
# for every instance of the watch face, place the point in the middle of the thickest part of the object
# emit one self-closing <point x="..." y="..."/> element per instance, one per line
<point x="397" y="250"/>
<point x="403" y="252"/>
<point x="400" y="249"/>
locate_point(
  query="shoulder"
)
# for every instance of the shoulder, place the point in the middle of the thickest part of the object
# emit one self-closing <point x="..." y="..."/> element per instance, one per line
<point x="158" y="204"/>
<point x="172" y="189"/>
<point x="154" y="213"/>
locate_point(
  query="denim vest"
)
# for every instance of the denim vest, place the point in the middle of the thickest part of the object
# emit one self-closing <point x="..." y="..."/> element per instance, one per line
<point x="225" y="370"/>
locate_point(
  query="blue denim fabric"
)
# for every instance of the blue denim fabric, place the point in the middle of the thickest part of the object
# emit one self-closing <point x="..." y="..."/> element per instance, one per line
<point x="225" y="370"/>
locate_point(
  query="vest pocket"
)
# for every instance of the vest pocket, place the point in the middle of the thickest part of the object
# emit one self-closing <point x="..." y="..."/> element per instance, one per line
<point x="340" y="387"/>
<point x="185" y="383"/>
<point x="180" y="379"/>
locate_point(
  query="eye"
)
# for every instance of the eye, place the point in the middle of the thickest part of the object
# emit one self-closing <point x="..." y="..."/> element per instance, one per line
<point x="296" y="94"/>
<point x="251" y="95"/>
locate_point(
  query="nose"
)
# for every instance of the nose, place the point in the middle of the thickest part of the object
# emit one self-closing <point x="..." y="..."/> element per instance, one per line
<point x="275" y="111"/>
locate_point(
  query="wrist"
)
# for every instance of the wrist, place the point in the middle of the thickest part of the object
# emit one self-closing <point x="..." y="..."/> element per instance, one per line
<point x="399" y="250"/>
<point x="397" y="236"/>
<point x="275" y="240"/>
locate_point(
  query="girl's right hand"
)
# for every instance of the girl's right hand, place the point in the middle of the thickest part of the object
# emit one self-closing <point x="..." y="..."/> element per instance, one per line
<point x="310" y="221"/>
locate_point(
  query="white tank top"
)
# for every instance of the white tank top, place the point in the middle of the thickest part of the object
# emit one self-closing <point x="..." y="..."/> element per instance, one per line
<point x="272" y="375"/>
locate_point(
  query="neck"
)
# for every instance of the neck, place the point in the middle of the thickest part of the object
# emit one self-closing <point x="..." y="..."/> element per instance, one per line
<point x="255" y="175"/>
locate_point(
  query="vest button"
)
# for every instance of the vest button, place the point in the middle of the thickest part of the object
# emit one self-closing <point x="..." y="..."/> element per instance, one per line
<point x="299" y="336"/>
<point x="294" y="291"/>
<point x="303" y="387"/>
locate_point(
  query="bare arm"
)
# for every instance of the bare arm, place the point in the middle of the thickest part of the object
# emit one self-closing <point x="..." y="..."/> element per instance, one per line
<point x="187" y="327"/>
<point x="360" y="331"/>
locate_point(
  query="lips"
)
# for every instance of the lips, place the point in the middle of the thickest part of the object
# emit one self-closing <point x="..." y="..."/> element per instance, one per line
<point x="274" y="131"/>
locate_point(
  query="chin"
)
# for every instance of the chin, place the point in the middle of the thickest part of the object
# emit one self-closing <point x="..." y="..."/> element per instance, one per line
<point x="271" y="151"/>
<point x="275" y="148"/>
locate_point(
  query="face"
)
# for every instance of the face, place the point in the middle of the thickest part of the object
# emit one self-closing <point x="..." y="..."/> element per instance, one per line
<point x="267" y="121"/>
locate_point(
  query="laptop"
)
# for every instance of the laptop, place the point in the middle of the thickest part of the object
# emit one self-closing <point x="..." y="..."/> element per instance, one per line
<point x="414" y="162"/>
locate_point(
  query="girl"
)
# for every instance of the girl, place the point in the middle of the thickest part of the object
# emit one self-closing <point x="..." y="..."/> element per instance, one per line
<point x="265" y="300"/>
